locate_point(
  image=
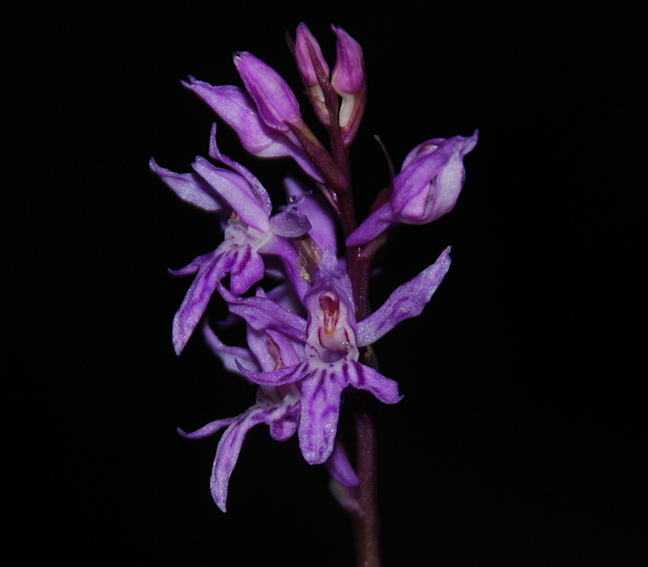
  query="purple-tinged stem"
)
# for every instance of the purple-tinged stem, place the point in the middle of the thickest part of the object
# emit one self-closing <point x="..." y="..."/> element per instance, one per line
<point x="365" y="524"/>
<point x="360" y="502"/>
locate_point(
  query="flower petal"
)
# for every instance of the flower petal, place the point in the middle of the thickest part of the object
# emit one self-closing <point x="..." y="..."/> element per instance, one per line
<point x="190" y="187"/>
<point x="319" y="214"/>
<point x="227" y="354"/>
<point x="236" y="108"/>
<point x="428" y="186"/>
<point x="289" y="257"/>
<point x="229" y="449"/>
<point x="207" y="430"/>
<point x="340" y="469"/>
<point x="262" y="313"/>
<point x="320" y="405"/>
<point x="290" y="224"/>
<point x="304" y="43"/>
<point x="374" y="225"/>
<point x="279" y="377"/>
<point x="348" y="74"/>
<point x="257" y="187"/>
<point x="236" y="191"/>
<point x="366" y="378"/>
<point x="407" y="300"/>
<point x="211" y="269"/>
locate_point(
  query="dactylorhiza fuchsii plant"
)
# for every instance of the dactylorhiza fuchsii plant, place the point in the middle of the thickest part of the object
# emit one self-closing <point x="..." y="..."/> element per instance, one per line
<point x="301" y="294"/>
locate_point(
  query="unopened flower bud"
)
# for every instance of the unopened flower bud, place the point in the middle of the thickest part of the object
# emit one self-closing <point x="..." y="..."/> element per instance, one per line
<point x="348" y="73"/>
<point x="274" y="99"/>
<point x="427" y="187"/>
<point x="431" y="179"/>
<point x="304" y="43"/>
<point x="348" y="80"/>
<point x="308" y="55"/>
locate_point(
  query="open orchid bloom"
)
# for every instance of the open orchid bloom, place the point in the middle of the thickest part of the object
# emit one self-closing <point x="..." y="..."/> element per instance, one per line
<point x="250" y="231"/>
<point x="276" y="406"/>
<point x="331" y="338"/>
<point x="302" y="366"/>
<point x="304" y="343"/>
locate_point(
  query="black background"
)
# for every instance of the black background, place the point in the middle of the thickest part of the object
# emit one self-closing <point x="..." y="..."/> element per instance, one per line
<point x="519" y="440"/>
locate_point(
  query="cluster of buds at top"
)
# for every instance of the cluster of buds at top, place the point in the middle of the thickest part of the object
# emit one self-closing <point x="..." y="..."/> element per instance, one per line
<point x="306" y="335"/>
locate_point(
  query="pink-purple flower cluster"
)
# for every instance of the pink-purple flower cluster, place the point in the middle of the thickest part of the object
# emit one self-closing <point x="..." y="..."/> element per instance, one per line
<point x="301" y="295"/>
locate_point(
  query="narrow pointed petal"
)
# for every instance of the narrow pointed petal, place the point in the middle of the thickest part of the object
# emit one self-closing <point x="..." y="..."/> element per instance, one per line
<point x="210" y="272"/>
<point x="262" y="313"/>
<point x="236" y="191"/>
<point x="209" y="429"/>
<point x="285" y="145"/>
<point x="229" y="449"/>
<point x="190" y="187"/>
<point x="194" y="266"/>
<point x="258" y="189"/>
<point x="237" y="108"/>
<point x="407" y="300"/>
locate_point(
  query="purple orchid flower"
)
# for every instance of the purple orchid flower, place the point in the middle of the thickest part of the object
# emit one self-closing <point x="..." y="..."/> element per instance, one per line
<point x="249" y="233"/>
<point x="426" y="188"/>
<point x="331" y="337"/>
<point x="278" y="407"/>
